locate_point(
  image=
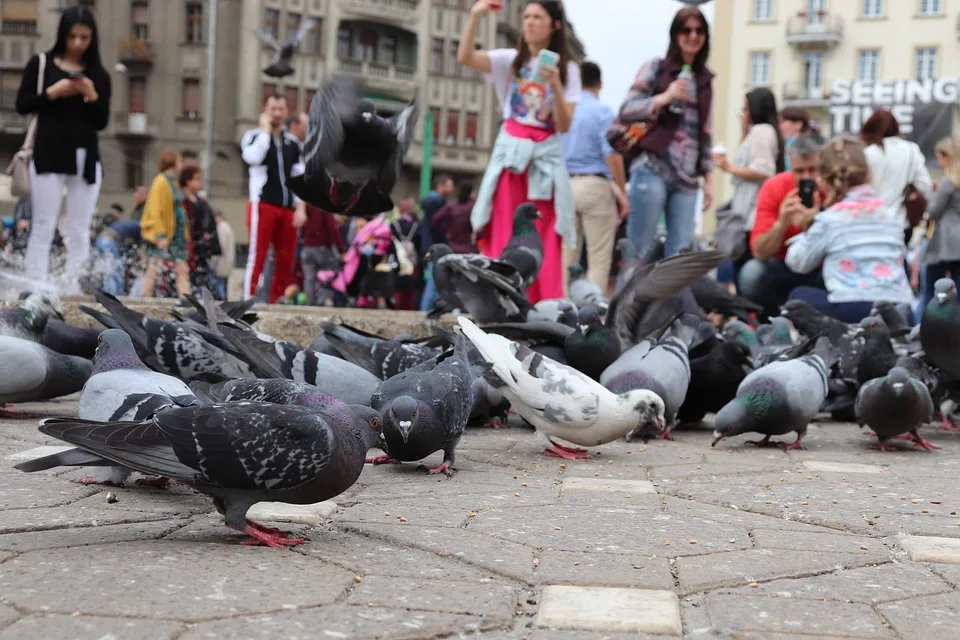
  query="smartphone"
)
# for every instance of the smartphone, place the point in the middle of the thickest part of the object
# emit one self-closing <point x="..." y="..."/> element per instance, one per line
<point x="75" y="75"/>
<point x="807" y="188"/>
<point x="546" y="58"/>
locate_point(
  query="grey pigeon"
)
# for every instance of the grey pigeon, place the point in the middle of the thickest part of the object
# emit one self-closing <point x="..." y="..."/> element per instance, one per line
<point x="275" y="390"/>
<point x="239" y="453"/>
<point x="776" y="332"/>
<point x="489" y="290"/>
<point x="69" y="340"/>
<point x="281" y="66"/>
<point x="282" y="359"/>
<point x="524" y="251"/>
<point x="781" y="397"/>
<point x="559" y="401"/>
<point x="426" y="408"/>
<point x="559" y="310"/>
<point x="584" y="291"/>
<point x="353" y="156"/>
<point x="33" y="373"/>
<point x="120" y="388"/>
<point x="878" y="356"/>
<point x="940" y="329"/>
<point x="29" y="318"/>
<point x="895" y="404"/>
<point x="382" y="358"/>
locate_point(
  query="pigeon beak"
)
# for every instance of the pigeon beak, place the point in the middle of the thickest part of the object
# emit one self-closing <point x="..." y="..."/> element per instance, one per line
<point x="717" y="437"/>
<point x="661" y="423"/>
<point x="584" y="328"/>
<point x="404" y="426"/>
<point x="898" y="386"/>
<point x="941" y="298"/>
<point x="783" y="312"/>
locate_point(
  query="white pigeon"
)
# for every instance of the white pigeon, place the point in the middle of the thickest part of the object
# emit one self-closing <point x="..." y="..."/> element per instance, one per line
<point x="558" y="400"/>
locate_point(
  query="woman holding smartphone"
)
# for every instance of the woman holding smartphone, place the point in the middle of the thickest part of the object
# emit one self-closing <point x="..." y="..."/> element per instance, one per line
<point x="527" y="162"/>
<point x="72" y="107"/>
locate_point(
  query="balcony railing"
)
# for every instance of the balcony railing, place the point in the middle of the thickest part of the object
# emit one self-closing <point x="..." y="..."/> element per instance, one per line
<point x="133" y="125"/>
<point x="402" y="10"/>
<point x="817" y="30"/>
<point x="802" y="94"/>
<point x="376" y="70"/>
<point x="18" y="27"/>
<point x="134" y="51"/>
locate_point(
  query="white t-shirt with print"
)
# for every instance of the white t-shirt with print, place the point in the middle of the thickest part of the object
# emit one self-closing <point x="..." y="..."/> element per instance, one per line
<point x="523" y="100"/>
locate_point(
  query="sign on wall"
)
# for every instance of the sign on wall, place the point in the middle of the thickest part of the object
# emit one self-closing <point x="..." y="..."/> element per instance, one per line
<point x="924" y="109"/>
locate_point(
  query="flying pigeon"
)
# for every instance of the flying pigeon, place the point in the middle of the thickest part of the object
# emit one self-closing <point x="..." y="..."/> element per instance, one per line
<point x="33" y="373"/>
<point x="28" y="319"/>
<point x="940" y="329"/>
<point x="781" y="397"/>
<point x="489" y="290"/>
<point x="524" y="251"/>
<point x="239" y="453"/>
<point x="352" y="155"/>
<point x="559" y="401"/>
<point x="426" y="408"/>
<point x="281" y="66"/>
<point x="895" y="404"/>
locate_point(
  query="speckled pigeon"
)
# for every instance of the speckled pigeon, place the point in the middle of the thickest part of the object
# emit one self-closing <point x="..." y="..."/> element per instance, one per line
<point x="426" y="408"/>
<point x="32" y="373"/>
<point x="489" y="290"/>
<point x="524" y="251"/>
<point x="895" y="404"/>
<point x="559" y="401"/>
<point x="275" y="390"/>
<point x="382" y="358"/>
<point x="239" y="453"/>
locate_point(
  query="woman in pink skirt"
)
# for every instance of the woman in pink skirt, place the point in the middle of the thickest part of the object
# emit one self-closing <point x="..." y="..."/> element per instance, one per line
<point x="526" y="163"/>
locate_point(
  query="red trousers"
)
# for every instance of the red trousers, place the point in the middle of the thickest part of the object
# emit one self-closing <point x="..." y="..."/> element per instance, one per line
<point x="269" y="224"/>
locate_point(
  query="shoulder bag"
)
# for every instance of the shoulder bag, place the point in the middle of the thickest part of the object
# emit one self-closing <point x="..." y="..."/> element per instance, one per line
<point x="625" y="137"/>
<point x="19" y="169"/>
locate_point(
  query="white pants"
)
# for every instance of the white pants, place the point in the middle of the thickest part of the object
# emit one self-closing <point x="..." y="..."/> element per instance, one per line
<point x="46" y="196"/>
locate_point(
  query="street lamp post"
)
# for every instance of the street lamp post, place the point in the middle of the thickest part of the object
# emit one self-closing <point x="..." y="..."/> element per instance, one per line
<point x="211" y="95"/>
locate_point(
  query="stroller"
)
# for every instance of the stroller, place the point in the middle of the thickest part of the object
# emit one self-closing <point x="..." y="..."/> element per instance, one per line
<point x="369" y="268"/>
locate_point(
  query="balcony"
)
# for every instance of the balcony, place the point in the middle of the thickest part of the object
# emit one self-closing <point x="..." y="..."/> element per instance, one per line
<point x="801" y="94"/>
<point x="136" y="54"/>
<point x="825" y="30"/>
<point x="133" y="127"/>
<point x="18" y="27"/>
<point x="397" y="12"/>
<point x="386" y="78"/>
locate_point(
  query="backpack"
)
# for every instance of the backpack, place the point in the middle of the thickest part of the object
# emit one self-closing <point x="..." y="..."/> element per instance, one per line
<point x="405" y="249"/>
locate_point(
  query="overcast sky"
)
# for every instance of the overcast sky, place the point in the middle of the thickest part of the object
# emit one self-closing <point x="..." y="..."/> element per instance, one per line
<point x="623" y="36"/>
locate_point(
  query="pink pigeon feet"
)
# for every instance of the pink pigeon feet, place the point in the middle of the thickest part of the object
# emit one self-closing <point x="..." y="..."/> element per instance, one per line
<point x="920" y="443"/>
<point x="16" y="415"/>
<point x="567" y="453"/>
<point x="443" y="467"/>
<point x="88" y="480"/>
<point x="665" y="435"/>
<point x="495" y="423"/>
<point x="794" y="446"/>
<point x="157" y="482"/>
<point x="381" y="460"/>
<point x="763" y="443"/>
<point x="267" y="536"/>
<point x="884" y="446"/>
<point x="948" y="425"/>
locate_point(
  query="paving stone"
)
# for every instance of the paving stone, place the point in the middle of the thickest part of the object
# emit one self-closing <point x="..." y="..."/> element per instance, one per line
<point x="604" y="569"/>
<point x="89" y="628"/>
<point x="730" y="568"/>
<point x="308" y="514"/>
<point x="210" y="528"/>
<point x="822" y="466"/>
<point x="560" y="634"/>
<point x="733" y="615"/>
<point x="610" y="609"/>
<point x="489" y="598"/>
<point x="8" y="614"/>
<point x="176" y="500"/>
<point x="40" y="490"/>
<point x="73" y="515"/>
<point x="83" y="536"/>
<point x="815" y="541"/>
<point x="577" y="483"/>
<point x="932" y="617"/>
<point x="341" y="621"/>
<point x="738" y="517"/>
<point x="173" y="580"/>
<point x="931" y="549"/>
<point x="871" y="585"/>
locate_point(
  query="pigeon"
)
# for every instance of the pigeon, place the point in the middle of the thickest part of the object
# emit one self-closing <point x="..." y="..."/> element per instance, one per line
<point x="282" y="359"/>
<point x="584" y="291"/>
<point x="28" y="319"/>
<point x="714" y="380"/>
<point x="489" y="290"/>
<point x="239" y="453"/>
<point x="739" y="331"/>
<point x="630" y="262"/>
<point x="559" y="310"/>
<point x="524" y="251"/>
<point x="33" y="373"/>
<point x="891" y="316"/>
<point x="895" y="404"/>
<point x="120" y="388"/>
<point x="352" y="155"/>
<point x="558" y="400"/>
<point x="713" y="297"/>
<point x="878" y="356"/>
<point x="382" y="358"/>
<point x="69" y="340"/>
<point x="781" y="397"/>
<point x="426" y="408"/>
<point x="281" y="66"/>
<point x="274" y="390"/>
<point x="593" y="346"/>
<point x="940" y="329"/>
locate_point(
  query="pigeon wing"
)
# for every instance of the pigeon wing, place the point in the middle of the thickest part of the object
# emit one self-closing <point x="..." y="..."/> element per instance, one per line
<point x="266" y="38"/>
<point x="325" y="132"/>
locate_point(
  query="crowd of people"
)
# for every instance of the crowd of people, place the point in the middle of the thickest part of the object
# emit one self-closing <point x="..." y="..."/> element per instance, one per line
<point x="838" y="223"/>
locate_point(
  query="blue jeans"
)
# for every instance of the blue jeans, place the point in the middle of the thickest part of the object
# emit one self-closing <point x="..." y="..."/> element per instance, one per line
<point x="430" y="294"/>
<point x="769" y="283"/>
<point x="849" y="312"/>
<point x="110" y="264"/>
<point x="649" y="197"/>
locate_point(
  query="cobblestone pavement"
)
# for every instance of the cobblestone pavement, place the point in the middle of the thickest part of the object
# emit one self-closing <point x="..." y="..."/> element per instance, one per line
<point x="650" y="541"/>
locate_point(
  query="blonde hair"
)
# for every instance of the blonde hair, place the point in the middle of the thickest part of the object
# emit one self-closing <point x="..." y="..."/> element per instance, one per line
<point x="843" y="166"/>
<point x="950" y="148"/>
<point x="167" y="159"/>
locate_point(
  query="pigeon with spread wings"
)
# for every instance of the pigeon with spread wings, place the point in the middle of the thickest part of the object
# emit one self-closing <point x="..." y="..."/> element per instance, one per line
<point x="280" y="66"/>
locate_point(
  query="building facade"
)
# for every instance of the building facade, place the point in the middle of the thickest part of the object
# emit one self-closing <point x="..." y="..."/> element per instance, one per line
<point x="156" y="52"/>
<point x="838" y="59"/>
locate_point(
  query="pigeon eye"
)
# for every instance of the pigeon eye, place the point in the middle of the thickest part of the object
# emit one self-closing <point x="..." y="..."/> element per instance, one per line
<point x="374" y="422"/>
<point x="99" y="340"/>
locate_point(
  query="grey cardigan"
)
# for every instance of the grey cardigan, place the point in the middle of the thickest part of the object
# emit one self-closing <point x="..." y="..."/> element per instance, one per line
<point x="944" y="210"/>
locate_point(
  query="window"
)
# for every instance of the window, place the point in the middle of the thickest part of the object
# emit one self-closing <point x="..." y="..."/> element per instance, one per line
<point x="308" y="99"/>
<point x="388" y="50"/>
<point x="435" y="112"/>
<point x="816" y="11"/>
<point x="868" y="65"/>
<point x="19" y="16"/>
<point x="194" y="33"/>
<point x="760" y="68"/>
<point x="293" y="25"/>
<point x="19" y="27"/>
<point x="368" y="46"/>
<point x="930" y="7"/>
<point x="140" y="18"/>
<point x="453" y="126"/>
<point x="267" y="90"/>
<point x="436" y="56"/>
<point x="292" y="94"/>
<point x="133" y="163"/>
<point x="453" y="67"/>
<point x="872" y="8"/>
<point x="315" y="37"/>
<point x="9" y="86"/>
<point x="470" y="136"/>
<point x="813" y="73"/>
<point x="439" y="19"/>
<point x="190" y="97"/>
<point x="926" y="63"/>
<point x="344" y="43"/>
<point x="271" y="22"/>
<point x="137" y="95"/>
<point x="763" y="9"/>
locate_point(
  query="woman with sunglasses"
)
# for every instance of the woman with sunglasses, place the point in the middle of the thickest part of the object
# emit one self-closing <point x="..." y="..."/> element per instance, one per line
<point x="526" y="163"/>
<point x="674" y="161"/>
